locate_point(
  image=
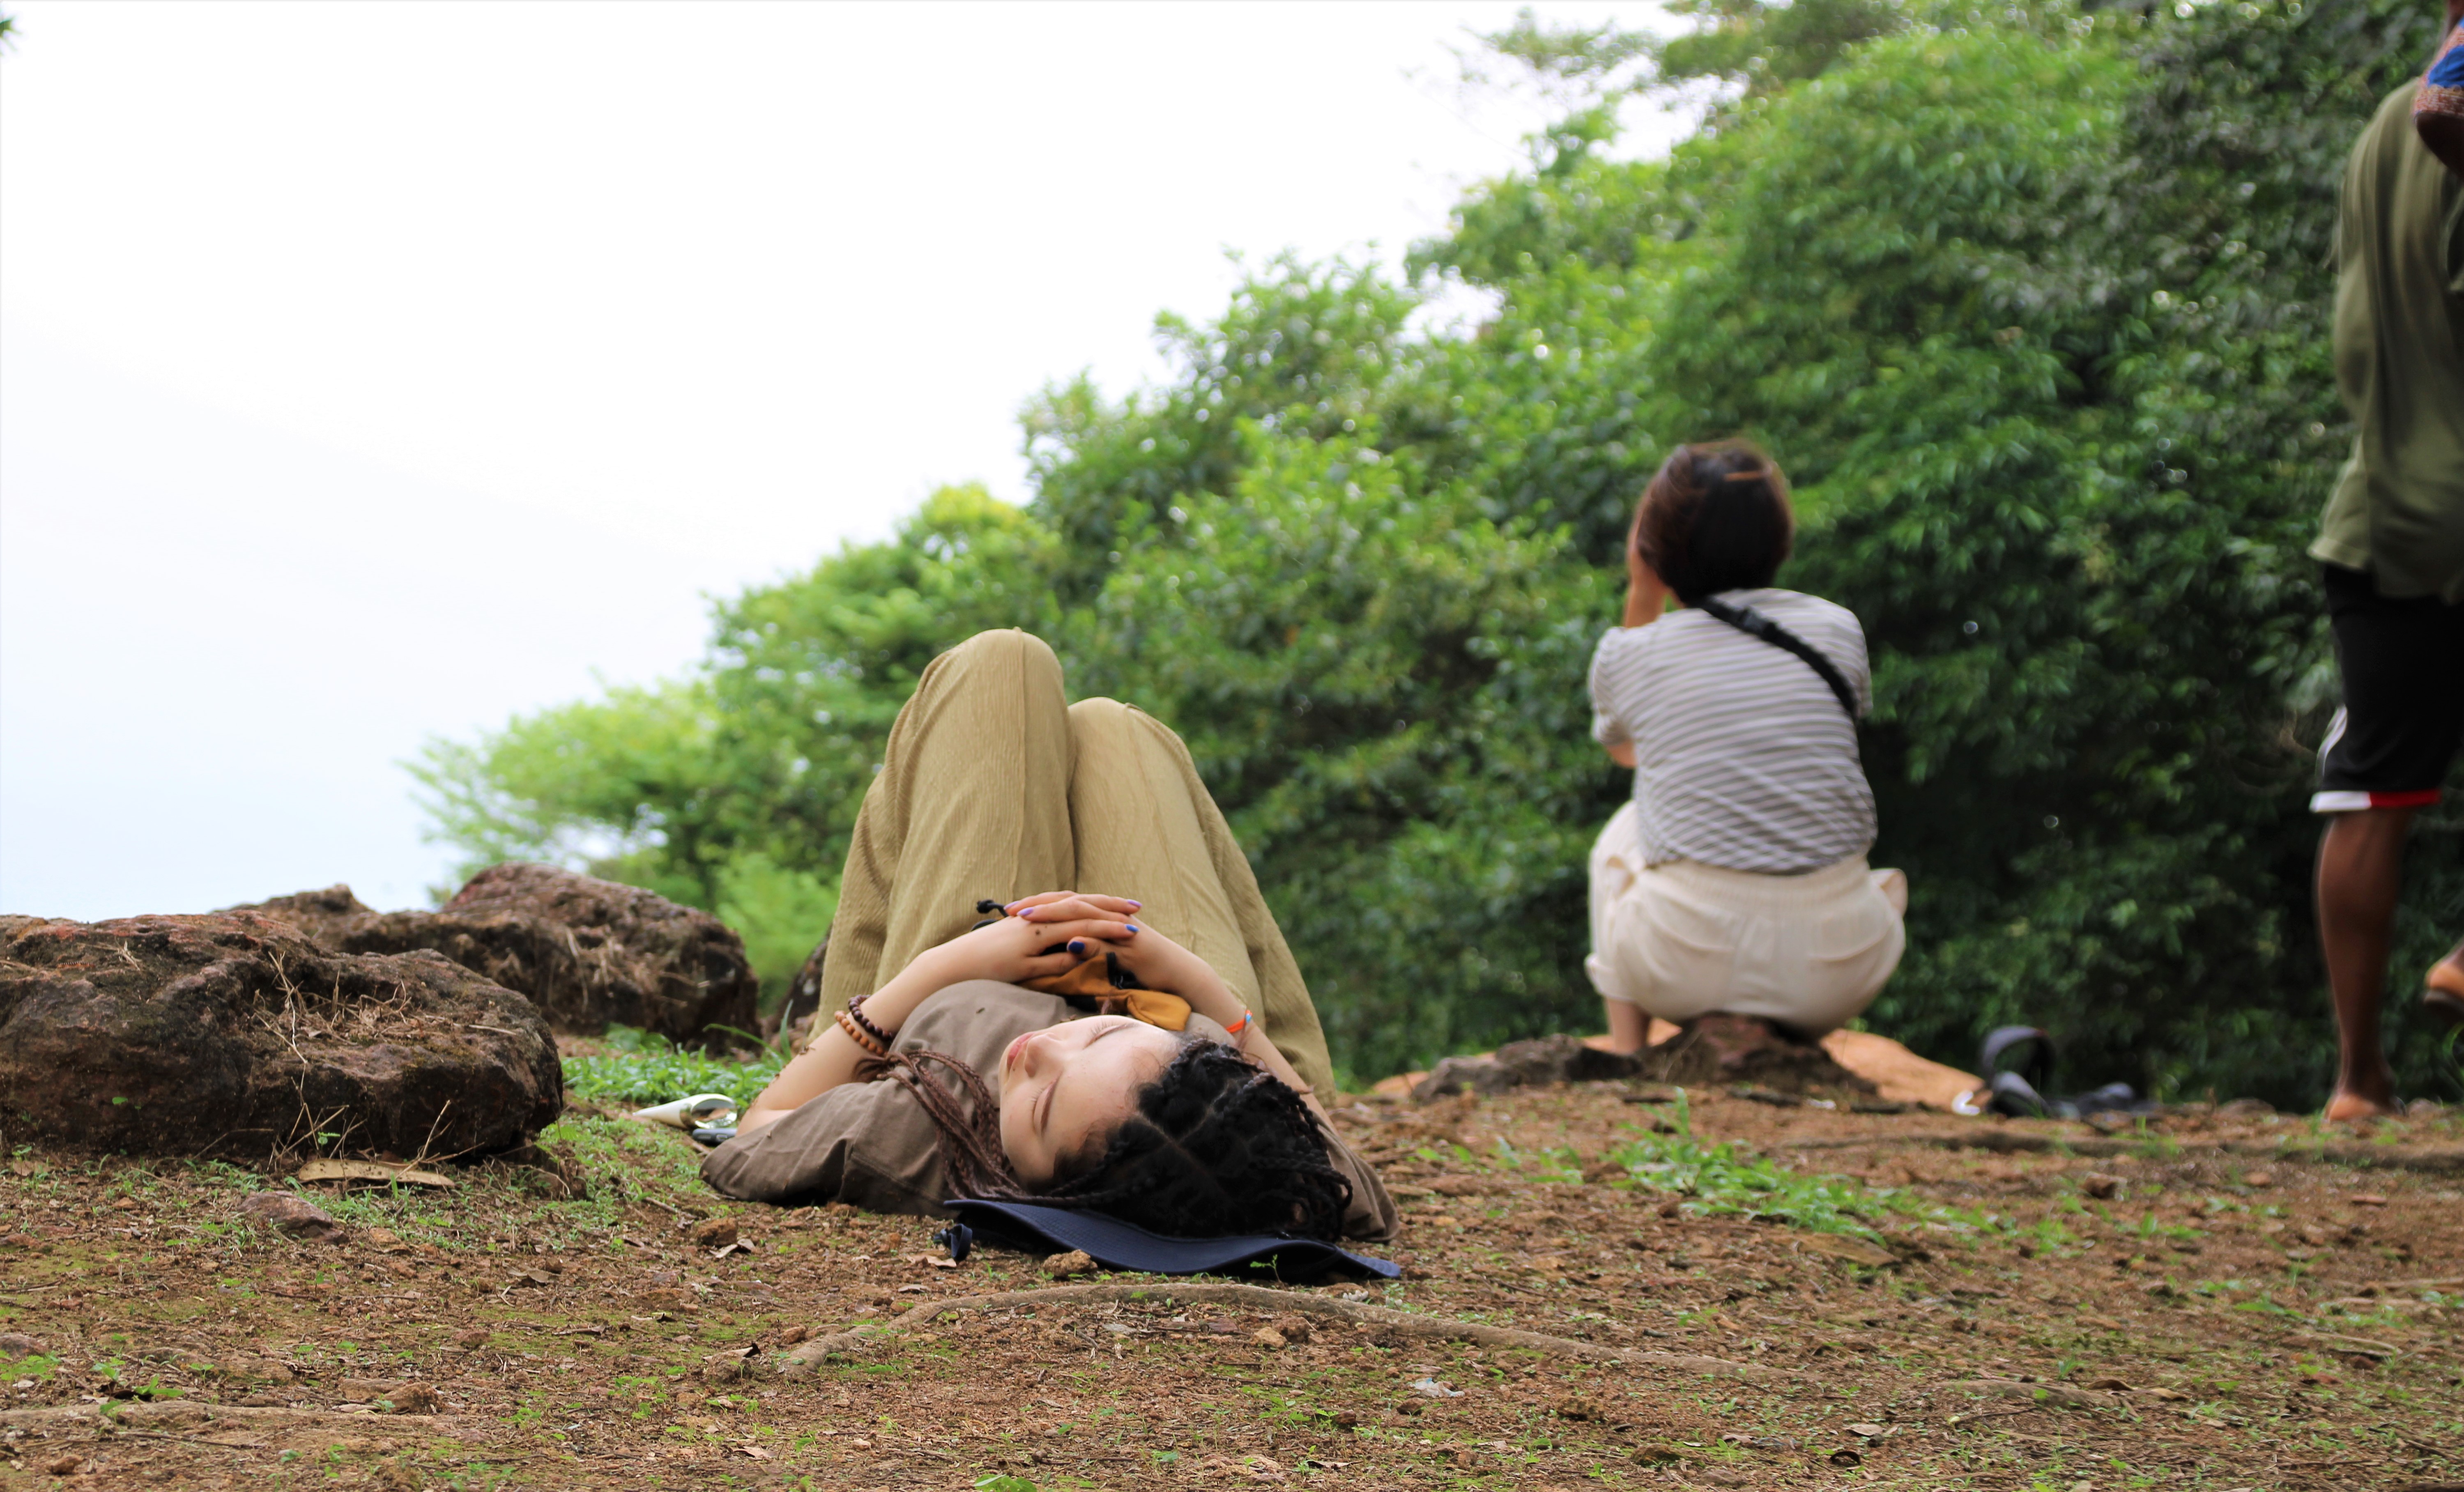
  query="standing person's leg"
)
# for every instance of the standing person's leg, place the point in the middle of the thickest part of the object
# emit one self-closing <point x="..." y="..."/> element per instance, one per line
<point x="971" y="802"/>
<point x="2361" y="871"/>
<point x="1146" y="828"/>
<point x="2401" y="661"/>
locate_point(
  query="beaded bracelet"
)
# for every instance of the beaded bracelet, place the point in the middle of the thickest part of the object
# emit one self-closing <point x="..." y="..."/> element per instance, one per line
<point x="855" y="1008"/>
<point x="859" y="1036"/>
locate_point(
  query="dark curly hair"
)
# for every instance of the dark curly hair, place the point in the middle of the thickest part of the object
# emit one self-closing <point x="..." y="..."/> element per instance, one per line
<point x="1216" y="1146"/>
<point x="1715" y="518"/>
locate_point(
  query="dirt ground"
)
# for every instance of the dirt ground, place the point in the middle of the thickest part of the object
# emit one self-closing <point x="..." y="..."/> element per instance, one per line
<point x="2217" y="1300"/>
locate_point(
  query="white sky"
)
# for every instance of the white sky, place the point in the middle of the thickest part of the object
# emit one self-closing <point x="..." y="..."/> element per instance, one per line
<point x="370" y="371"/>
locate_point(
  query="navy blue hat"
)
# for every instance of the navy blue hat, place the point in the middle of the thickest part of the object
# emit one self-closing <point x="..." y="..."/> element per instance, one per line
<point x="1121" y="1245"/>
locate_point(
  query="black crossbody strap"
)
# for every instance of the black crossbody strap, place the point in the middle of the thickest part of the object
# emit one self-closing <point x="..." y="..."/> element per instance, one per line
<point x="1747" y="620"/>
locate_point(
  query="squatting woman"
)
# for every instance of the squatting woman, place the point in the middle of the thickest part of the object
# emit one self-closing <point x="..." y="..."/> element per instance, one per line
<point x="1734" y="879"/>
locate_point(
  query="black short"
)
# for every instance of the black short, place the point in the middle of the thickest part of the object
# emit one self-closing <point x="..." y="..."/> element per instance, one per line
<point x="2403" y="720"/>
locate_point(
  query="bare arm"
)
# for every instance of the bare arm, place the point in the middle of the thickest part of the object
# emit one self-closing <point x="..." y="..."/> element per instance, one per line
<point x="1647" y="598"/>
<point x="1010" y="950"/>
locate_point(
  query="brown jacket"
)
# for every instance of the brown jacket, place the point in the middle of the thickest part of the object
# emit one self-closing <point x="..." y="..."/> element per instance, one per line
<point x="873" y="1145"/>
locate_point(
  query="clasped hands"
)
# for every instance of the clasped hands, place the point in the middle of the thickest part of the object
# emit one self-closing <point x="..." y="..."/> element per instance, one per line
<point x="1012" y="949"/>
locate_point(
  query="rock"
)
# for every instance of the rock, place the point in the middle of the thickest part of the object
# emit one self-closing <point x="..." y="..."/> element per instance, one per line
<point x="795" y="1013"/>
<point x="17" y="1344"/>
<point x="1060" y="1266"/>
<point x="715" y="1233"/>
<point x="62" y="1465"/>
<point x="1463" y="1075"/>
<point x="586" y="952"/>
<point x="292" y="1217"/>
<point x="1533" y="1064"/>
<point x="1267" y="1336"/>
<point x="232" y="1034"/>
<point x="472" y="1339"/>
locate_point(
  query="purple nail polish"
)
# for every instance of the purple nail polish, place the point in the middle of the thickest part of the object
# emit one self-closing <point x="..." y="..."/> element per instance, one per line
<point x="1134" y="905"/>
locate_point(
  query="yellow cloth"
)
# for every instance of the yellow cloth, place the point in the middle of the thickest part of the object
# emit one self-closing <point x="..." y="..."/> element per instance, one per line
<point x="1090" y="986"/>
<point x="992" y="785"/>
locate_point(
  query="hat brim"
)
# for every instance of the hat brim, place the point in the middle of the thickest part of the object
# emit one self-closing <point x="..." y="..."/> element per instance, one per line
<point x="1122" y="1246"/>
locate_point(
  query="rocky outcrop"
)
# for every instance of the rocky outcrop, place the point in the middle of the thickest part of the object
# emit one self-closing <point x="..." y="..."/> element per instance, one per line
<point x="1533" y="1064"/>
<point x="586" y="952"/>
<point x="232" y="1034"/>
<point x="1714" y="1048"/>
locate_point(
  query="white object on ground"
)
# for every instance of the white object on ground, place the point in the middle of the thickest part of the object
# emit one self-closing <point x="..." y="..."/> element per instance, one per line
<point x="691" y="1113"/>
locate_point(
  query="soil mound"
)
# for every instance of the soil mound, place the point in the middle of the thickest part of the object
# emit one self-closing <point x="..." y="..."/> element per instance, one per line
<point x="586" y="952"/>
<point x="232" y="1034"/>
<point x="1533" y="1064"/>
<point x="1718" y="1048"/>
<point x="1721" y="1048"/>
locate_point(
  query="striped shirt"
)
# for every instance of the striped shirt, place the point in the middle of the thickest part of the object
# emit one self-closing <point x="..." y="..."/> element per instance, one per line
<point x="1743" y="757"/>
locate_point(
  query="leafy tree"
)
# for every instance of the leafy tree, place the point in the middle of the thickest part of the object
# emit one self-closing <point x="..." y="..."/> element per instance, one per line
<point x="2030" y="304"/>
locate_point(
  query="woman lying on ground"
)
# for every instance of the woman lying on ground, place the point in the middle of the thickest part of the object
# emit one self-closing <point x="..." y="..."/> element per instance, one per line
<point x="1735" y="879"/>
<point x="938" y="1075"/>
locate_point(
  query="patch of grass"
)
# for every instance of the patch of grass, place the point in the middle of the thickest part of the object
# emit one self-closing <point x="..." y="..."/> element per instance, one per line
<point x="1716" y="1181"/>
<point x="647" y="1069"/>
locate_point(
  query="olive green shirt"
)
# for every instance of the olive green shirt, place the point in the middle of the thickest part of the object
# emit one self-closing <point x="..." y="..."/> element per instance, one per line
<point x="2398" y="508"/>
<point x="873" y="1145"/>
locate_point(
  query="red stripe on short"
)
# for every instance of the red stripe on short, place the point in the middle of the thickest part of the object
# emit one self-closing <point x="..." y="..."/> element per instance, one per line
<point x="2419" y="800"/>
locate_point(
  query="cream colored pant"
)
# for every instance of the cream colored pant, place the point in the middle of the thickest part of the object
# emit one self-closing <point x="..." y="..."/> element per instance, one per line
<point x="1682" y="939"/>
<point x="994" y="786"/>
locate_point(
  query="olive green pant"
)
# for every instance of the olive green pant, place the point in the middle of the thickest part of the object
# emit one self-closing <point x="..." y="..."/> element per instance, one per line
<point x="994" y="787"/>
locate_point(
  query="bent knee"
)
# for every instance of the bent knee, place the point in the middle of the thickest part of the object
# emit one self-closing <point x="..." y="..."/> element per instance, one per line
<point x="1004" y="646"/>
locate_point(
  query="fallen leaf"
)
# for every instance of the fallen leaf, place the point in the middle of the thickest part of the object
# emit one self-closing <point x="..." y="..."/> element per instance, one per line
<point x="1868" y="1431"/>
<point x="2258" y="1179"/>
<point x="2368" y="1200"/>
<point x="757" y="1453"/>
<point x="1839" y="1245"/>
<point x="1075" y="1262"/>
<point x="1267" y="1336"/>
<point x="1435" y="1390"/>
<point x="324" y="1169"/>
<point x="1844" y="1457"/>
<point x="916" y="1289"/>
<point x="1760" y="1442"/>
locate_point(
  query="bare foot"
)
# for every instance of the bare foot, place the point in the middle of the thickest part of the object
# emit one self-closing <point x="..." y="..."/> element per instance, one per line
<point x="2447" y="975"/>
<point x="1610" y="1043"/>
<point x="2350" y="1107"/>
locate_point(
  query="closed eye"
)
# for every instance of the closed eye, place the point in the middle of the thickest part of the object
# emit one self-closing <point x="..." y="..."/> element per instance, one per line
<point x="1044" y="1104"/>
